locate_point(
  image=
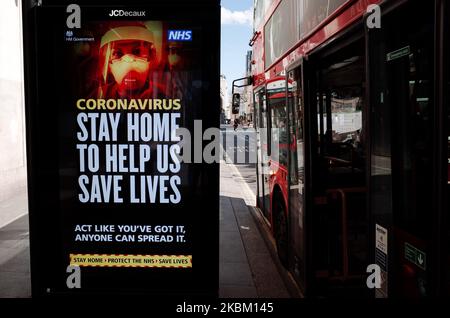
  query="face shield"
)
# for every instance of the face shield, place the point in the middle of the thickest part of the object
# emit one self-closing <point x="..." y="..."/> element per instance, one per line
<point x="129" y="54"/>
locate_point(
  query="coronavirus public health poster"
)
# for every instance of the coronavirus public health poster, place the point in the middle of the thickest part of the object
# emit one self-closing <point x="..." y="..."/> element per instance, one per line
<point x="125" y="91"/>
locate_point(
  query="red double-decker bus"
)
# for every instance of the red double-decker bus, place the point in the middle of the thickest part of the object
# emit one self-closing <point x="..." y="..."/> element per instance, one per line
<point x="352" y="118"/>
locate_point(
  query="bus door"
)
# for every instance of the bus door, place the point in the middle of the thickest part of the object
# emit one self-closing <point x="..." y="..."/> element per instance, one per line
<point x="336" y="152"/>
<point x="296" y="177"/>
<point x="263" y="154"/>
<point x="406" y="172"/>
<point x="278" y="163"/>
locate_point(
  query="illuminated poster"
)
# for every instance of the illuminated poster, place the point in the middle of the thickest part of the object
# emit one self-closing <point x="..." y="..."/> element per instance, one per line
<point x="118" y="89"/>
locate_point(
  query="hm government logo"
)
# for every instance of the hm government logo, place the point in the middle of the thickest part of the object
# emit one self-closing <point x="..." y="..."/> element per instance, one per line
<point x="73" y="22"/>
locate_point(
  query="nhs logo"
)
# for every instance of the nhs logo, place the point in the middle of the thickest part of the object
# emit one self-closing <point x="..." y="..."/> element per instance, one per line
<point x="179" y="35"/>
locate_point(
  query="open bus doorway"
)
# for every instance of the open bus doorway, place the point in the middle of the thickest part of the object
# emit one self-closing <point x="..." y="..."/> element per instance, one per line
<point x="337" y="191"/>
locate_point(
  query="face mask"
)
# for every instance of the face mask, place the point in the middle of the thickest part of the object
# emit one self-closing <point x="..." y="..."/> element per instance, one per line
<point x="130" y="72"/>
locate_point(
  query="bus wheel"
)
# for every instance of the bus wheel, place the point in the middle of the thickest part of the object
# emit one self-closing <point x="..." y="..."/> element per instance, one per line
<point x="281" y="236"/>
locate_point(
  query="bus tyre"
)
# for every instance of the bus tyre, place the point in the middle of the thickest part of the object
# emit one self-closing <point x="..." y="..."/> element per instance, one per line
<point x="281" y="234"/>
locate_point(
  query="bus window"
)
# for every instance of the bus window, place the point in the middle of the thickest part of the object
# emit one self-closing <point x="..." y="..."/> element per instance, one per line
<point x="256" y="114"/>
<point x="276" y="97"/>
<point x="263" y="138"/>
<point x="295" y="105"/>
<point x="341" y="122"/>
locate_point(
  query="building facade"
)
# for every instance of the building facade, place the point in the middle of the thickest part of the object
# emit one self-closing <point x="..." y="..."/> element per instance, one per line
<point x="224" y="100"/>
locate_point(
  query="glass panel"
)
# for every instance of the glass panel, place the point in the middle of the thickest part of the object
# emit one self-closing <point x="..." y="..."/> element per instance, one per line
<point x="406" y="103"/>
<point x="338" y="176"/>
<point x="297" y="174"/>
<point x="411" y="101"/>
<point x="263" y="153"/>
<point x="293" y="20"/>
<point x="276" y="96"/>
<point x="281" y="31"/>
<point x="403" y="110"/>
<point x="313" y="12"/>
<point x="261" y="7"/>
<point x="341" y="121"/>
<point x="346" y="122"/>
<point x="256" y="111"/>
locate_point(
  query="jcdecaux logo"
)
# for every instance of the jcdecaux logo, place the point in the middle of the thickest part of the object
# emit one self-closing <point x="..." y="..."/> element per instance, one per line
<point x="179" y="35"/>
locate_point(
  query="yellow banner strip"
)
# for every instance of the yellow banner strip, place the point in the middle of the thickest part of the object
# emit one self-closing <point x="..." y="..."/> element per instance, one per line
<point x="155" y="261"/>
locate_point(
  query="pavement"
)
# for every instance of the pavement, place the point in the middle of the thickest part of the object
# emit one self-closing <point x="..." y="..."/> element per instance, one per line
<point x="248" y="264"/>
<point x="247" y="268"/>
<point x="14" y="250"/>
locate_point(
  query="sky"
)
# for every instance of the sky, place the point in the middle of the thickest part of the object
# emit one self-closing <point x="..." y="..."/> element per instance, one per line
<point x="237" y="30"/>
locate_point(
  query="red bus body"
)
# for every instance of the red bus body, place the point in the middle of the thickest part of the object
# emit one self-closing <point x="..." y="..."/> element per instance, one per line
<point x="337" y="22"/>
<point x="301" y="66"/>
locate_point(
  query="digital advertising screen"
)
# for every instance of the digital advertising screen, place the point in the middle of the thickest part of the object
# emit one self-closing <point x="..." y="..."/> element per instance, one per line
<point x="118" y="198"/>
